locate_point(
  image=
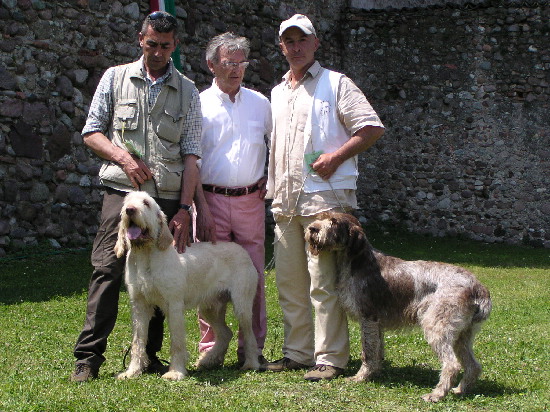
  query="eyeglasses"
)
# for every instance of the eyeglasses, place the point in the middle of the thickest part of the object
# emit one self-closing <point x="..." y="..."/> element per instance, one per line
<point x="233" y="65"/>
<point x="162" y="15"/>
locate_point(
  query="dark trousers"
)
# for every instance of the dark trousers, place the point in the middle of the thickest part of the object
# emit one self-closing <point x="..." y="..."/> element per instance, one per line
<point x="104" y="288"/>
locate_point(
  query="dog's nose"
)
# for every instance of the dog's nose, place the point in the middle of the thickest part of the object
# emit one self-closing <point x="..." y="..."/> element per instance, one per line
<point x="130" y="210"/>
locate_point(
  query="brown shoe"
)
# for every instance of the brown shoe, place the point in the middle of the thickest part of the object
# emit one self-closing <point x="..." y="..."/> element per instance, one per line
<point x="323" y="372"/>
<point x="83" y="373"/>
<point x="285" y="364"/>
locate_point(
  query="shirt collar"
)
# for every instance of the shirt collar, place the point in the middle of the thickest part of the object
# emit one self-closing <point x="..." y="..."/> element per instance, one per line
<point x="161" y="79"/>
<point x="313" y="71"/>
<point x="222" y="95"/>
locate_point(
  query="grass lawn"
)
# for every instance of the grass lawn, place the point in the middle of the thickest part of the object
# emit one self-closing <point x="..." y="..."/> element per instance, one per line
<point x="42" y="304"/>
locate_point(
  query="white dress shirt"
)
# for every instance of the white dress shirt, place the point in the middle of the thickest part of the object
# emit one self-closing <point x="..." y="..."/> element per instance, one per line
<point x="234" y="145"/>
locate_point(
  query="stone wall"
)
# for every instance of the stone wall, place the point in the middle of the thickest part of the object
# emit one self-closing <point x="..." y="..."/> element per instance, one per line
<point x="463" y="92"/>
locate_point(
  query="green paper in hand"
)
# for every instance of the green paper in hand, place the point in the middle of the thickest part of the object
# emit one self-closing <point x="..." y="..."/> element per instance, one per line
<point x="310" y="158"/>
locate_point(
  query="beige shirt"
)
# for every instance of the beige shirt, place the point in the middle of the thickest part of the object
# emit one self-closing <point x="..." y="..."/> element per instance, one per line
<point x="286" y="158"/>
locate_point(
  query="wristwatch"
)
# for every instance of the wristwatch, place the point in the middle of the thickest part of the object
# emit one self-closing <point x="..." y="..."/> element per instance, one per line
<point x="185" y="207"/>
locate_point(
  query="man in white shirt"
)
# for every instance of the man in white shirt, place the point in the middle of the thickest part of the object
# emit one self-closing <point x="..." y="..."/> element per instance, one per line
<point x="236" y="124"/>
<point x="321" y="122"/>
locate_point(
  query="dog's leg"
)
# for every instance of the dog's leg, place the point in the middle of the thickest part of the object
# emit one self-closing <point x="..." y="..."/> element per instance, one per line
<point x="242" y="308"/>
<point x="141" y="315"/>
<point x="372" y="350"/>
<point x="465" y="354"/>
<point x="178" y="348"/>
<point x="440" y="329"/>
<point x="214" y="314"/>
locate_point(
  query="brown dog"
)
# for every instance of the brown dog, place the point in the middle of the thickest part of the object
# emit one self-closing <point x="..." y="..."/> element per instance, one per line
<point x="385" y="292"/>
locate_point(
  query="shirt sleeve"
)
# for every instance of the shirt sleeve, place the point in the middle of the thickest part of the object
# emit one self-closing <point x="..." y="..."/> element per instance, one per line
<point x="268" y="122"/>
<point x="190" y="142"/>
<point x="101" y="108"/>
<point x="354" y="110"/>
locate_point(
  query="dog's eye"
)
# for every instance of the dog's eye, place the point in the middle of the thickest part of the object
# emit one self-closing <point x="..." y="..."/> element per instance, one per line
<point x="146" y="203"/>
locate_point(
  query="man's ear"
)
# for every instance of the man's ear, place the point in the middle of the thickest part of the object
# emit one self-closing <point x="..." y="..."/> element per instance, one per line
<point x="211" y="66"/>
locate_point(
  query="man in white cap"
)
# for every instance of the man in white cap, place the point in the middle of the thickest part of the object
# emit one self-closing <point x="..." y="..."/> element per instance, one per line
<point x="322" y="121"/>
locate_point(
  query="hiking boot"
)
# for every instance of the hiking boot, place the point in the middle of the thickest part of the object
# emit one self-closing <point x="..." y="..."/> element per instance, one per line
<point x="156" y="367"/>
<point x="285" y="364"/>
<point x="83" y="373"/>
<point x="323" y="372"/>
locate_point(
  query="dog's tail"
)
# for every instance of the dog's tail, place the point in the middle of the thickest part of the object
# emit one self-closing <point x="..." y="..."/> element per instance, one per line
<point x="482" y="300"/>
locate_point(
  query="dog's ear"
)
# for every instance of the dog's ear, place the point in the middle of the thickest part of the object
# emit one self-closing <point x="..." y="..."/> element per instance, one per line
<point x="121" y="242"/>
<point x="357" y="239"/>
<point x="165" y="238"/>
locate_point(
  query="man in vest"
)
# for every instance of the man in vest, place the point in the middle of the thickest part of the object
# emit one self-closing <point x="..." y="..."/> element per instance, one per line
<point x="236" y="121"/>
<point x="145" y="122"/>
<point x="321" y="122"/>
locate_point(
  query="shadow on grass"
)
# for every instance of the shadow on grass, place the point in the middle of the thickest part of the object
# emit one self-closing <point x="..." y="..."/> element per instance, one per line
<point x="412" y="246"/>
<point x="218" y="376"/>
<point x="423" y="377"/>
<point x="41" y="277"/>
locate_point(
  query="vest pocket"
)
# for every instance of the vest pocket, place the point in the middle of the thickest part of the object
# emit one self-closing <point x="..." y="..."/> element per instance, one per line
<point x="169" y="125"/>
<point x="170" y="176"/>
<point x="125" y="114"/>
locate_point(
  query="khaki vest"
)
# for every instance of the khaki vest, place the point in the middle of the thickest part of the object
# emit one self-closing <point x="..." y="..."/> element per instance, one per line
<point x="155" y="134"/>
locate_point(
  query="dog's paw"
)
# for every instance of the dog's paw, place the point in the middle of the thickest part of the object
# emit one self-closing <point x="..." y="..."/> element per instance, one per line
<point x="251" y="365"/>
<point x="174" y="375"/>
<point x="127" y="375"/>
<point x="357" y="378"/>
<point x="433" y="397"/>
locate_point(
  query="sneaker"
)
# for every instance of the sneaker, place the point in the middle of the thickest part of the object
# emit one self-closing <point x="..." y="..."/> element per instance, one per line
<point x="320" y="372"/>
<point x="285" y="364"/>
<point x="83" y="373"/>
<point x="156" y="366"/>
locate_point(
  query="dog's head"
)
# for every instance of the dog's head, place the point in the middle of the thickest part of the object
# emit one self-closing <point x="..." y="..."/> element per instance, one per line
<point x="142" y="223"/>
<point x="333" y="231"/>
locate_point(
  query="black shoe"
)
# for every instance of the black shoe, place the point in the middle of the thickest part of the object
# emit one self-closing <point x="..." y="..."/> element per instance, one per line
<point x="83" y="373"/>
<point x="285" y="364"/>
<point x="156" y="367"/>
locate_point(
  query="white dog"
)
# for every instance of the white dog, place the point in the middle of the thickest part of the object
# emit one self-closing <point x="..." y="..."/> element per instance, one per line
<point x="206" y="276"/>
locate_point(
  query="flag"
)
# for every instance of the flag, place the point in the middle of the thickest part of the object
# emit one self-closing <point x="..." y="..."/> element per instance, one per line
<point x="169" y="7"/>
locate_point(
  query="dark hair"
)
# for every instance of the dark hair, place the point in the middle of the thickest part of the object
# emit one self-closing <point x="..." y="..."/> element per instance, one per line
<point x="161" y="22"/>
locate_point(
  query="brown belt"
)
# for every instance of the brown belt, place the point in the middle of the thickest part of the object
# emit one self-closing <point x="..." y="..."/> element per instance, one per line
<point x="231" y="191"/>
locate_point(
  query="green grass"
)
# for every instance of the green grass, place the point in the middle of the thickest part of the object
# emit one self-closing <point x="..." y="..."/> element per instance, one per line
<point x="42" y="303"/>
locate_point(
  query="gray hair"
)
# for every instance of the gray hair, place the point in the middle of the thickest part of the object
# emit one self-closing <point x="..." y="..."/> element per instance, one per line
<point x="230" y="41"/>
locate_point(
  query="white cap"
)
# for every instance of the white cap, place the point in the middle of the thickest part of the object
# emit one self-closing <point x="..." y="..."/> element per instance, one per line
<point x="300" y="21"/>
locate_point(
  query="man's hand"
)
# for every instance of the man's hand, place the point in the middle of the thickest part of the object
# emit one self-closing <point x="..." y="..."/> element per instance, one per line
<point x="136" y="170"/>
<point x="325" y="165"/>
<point x="206" y="226"/>
<point x="179" y="226"/>
<point x="262" y="183"/>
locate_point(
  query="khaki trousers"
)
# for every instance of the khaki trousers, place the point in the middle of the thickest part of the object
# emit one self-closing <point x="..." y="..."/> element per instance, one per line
<point x="307" y="282"/>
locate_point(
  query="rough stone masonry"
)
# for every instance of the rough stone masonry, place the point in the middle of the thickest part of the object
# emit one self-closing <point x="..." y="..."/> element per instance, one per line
<point x="463" y="89"/>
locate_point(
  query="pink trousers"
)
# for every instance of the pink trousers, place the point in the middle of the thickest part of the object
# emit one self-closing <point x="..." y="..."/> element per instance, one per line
<point x="241" y="219"/>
